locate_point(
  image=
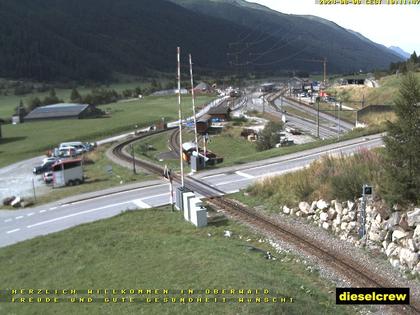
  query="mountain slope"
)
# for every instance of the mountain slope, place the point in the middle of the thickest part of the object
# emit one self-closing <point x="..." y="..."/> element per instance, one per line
<point x="71" y="39"/>
<point x="94" y="39"/>
<point x="403" y="54"/>
<point x="305" y="37"/>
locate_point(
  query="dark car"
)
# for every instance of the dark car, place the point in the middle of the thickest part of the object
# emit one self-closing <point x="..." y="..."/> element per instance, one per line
<point x="46" y="167"/>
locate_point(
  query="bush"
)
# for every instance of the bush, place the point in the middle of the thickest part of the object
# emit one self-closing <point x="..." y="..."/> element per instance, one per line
<point x="238" y="121"/>
<point x="269" y="136"/>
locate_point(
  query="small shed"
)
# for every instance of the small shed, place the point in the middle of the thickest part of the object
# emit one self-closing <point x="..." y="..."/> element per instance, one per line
<point x="203" y="123"/>
<point x="61" y="111"/>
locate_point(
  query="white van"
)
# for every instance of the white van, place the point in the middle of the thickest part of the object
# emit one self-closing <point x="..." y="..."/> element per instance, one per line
<point x="77" y="145"/>
<point x="69" y="172"/>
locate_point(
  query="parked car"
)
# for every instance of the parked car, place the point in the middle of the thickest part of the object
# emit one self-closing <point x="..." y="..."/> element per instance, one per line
<point x="45" y="167"/>
<point x="89" y="146"/>
<point x="77" y="146"/>
<point x="50" y="159"/>
<point x="48" y="177"/>
<point x="66" y="152"/>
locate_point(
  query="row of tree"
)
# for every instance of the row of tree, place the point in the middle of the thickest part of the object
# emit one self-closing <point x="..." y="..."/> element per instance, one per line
<point x="404" y="66"/>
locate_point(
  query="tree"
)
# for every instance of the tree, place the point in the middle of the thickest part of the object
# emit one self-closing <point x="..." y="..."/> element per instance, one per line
<point x="51" y="98"/>
<point x="34" y="103"/>
<point x="20" y="110"/>
<point x="269" y="136"/>
<point x="414" y="58"/>
<point x="75" y="96"/>
<point x="402" y="154"/>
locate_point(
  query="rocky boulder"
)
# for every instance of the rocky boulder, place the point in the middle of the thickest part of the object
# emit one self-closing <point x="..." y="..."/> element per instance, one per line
<point x="305" y="208"/>
<point x="331" y="214"/>
<point x="409" y="258"/>
<point x="321" y="204"/>
<point x="391" y="250"/>
<point x="375" y="237"/>
<point x="413" y="217"/>
<point x="338" y="207"/>
<point x="394" y="219"/>
<point x="403" y="223"/>
<point x="323" y="217"/>
<point x="412" y="245"/>
<point x="398" y="235"/>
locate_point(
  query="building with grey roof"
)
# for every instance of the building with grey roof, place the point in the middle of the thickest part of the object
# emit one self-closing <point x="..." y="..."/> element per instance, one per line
<point x="61" y="111"/>
<point x="221" y="111"/>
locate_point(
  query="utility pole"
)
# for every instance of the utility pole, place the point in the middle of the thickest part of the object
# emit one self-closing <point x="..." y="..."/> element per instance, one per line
<point x="167" y="173"/>
<point x="193" y="105"/>
<point x="180" y="117"/>
<point x="339" y="109"/>
<point x="317" y="118"/>
<point x="133" y="158"/>
<point x="263" y="99"/>
<point x="33" y="188"/>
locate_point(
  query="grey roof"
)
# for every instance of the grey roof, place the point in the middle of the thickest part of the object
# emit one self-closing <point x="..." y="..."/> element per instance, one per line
<point x="204" y="118"/>
<point x="62" y="110"/>
<point x="222" y="109"/>
<point x="202" y="86"/>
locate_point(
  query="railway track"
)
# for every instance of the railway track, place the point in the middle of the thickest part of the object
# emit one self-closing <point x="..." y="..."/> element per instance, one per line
<point x="358" y="275"/>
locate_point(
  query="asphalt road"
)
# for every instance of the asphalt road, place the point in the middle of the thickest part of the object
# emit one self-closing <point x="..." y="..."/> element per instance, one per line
<point x="19" y="225"/>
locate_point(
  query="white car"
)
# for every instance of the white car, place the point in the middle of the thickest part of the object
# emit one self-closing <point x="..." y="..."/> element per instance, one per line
<point x="48" y="177"/>
<point x="50" y="159"/>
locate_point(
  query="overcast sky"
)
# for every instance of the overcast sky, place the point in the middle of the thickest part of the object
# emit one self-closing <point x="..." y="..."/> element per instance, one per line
<point x="390" y="25"/>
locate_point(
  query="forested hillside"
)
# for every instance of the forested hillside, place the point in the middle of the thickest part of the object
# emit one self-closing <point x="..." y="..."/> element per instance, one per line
<point x="59" y="40"/>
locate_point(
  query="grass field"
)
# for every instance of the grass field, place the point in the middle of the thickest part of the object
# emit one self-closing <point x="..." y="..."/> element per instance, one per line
<point x="385" y="94"/>
<point x="228" y="145"/>
<point x="235" y="150"/>
<point x="30" y="139"/>
<point x="157" y="249"/>
<point x="9" y="102"/>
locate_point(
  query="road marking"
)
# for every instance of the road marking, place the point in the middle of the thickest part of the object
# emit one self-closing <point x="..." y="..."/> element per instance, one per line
<point x="230" y="182"/>
<point x="139" y="203"/>
<point x="76" y="214"/>
<point x="53" y="208"/>
<point x="160" y="195"/>
<point x="8" y="220"/>
<point x="30" y="214"/>
<point x="65" y="205"/>
<point x="244" y="175"/>
<point x="232" y="191"/>
<point x="211" y="176"/>
<point x="42" y="211"/>
<point x="13" y="231"/>
<point x="115" y="194"/>
<point x="19" y="217"/>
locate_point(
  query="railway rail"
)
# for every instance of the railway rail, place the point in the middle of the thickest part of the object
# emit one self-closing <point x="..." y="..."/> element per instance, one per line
<point x="352" y="270"/>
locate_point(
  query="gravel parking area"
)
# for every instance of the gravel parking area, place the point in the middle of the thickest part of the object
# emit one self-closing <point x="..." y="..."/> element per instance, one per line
<point x="16" y="179"/>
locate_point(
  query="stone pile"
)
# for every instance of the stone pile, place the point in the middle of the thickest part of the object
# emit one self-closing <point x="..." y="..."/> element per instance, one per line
<point x="396" y="234"/>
